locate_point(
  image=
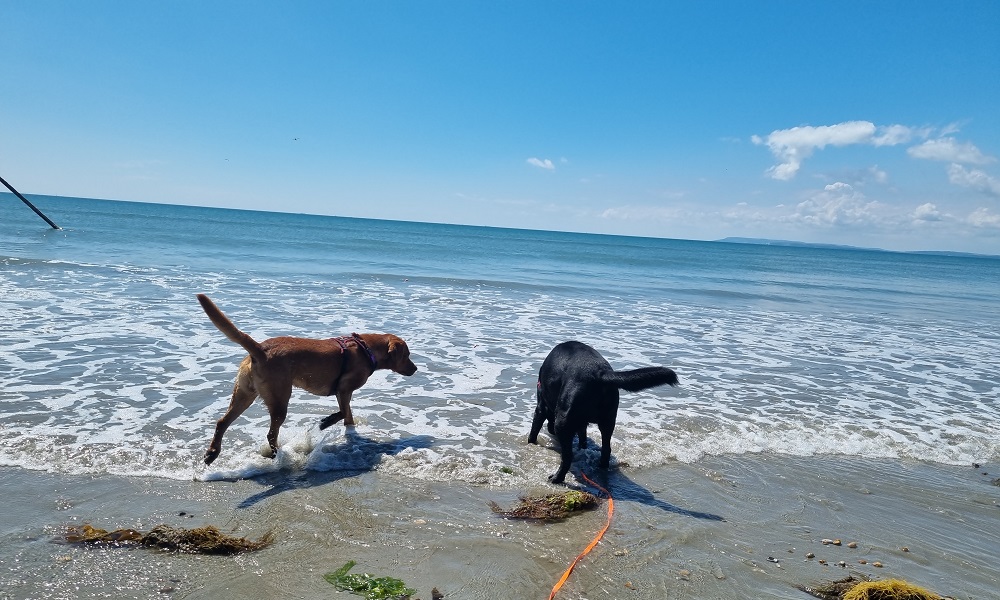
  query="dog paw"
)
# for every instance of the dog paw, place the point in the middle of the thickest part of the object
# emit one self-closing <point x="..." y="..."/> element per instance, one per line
<point x="210" y="456"/>
<point x="556" y="478"/>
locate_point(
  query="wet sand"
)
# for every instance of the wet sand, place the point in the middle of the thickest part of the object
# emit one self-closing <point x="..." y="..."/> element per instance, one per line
<point x="725" y="527"/>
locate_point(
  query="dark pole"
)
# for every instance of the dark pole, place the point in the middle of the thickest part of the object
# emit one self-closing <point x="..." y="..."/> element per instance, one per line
<point x="30" y="205"/>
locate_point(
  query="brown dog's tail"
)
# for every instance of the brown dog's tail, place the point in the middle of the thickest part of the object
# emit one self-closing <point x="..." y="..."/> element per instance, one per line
<point x="640" y="379"/>
<point x="232" y="332"/>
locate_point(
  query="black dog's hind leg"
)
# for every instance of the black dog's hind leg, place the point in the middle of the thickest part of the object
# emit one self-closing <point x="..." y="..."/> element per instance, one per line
<point x="582" y="435"/>
<point x="540" y="416"/>
<point x="607" y="429"/>
<point x="536" y="425"/>
<point x="564" y="435"/>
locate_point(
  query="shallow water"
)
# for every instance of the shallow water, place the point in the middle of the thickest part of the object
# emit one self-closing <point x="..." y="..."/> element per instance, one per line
<point x="111" y="367"/>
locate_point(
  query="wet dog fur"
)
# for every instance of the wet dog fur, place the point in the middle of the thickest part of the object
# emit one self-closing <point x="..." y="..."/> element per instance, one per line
<point x="322" y="367"/>
<point x="577" y="386"/>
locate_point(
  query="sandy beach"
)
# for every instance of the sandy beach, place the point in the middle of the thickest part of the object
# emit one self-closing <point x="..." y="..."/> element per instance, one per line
<point x="725" y="527"/>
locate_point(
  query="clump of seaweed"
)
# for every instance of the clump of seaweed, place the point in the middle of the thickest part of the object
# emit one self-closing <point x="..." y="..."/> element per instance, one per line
<point x="200" y="540"/>
<point x="373" y="588"/>
<point x="889" y="589"/>
<point x="554" y="507"/>
<point x="864" y="589"/>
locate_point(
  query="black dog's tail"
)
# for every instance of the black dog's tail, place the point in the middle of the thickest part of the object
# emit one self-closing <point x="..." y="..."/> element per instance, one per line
<point x="640" y="379"/>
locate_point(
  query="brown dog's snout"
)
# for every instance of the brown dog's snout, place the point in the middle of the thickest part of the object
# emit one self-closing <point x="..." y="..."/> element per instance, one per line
<point x="408" y="369"/>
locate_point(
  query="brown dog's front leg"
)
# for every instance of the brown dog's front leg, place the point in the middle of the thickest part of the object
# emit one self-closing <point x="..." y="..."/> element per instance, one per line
<point x="243" y="396"/>
<point x="216" y="446"/>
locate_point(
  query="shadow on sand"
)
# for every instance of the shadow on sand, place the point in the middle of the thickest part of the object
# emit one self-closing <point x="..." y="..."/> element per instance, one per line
<point x="360" y="455"/>
<point x="621" y="487"/>
<point x="624" y="489"/>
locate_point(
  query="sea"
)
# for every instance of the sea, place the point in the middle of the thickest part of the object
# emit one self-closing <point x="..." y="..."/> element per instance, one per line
<point x="110" y="366"/>
<point x="812" y="381"/>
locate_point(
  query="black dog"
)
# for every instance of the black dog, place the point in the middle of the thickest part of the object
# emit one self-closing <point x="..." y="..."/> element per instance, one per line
<point x="577" y="386"/>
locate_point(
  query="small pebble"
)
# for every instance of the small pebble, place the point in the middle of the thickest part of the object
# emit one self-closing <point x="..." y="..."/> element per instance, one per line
<point x="852" y="544"/>
<point x="877" y="565"/>
<point x="822" y="562"/>
<point x="905" y="549"/>
<point x="842" y="564"/>
<point x="862" y="562"/>
<point x="836" y="542"/>
<point x="629" y="585"/>
<point x="827" y="542"/>
<point x="810" y="555"/>
<point x="684" y="574"/>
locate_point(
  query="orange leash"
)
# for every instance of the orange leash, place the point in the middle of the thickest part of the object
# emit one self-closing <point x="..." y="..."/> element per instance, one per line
<point x="597" y="538"/>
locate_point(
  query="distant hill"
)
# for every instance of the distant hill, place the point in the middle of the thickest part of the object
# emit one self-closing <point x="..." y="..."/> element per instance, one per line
<point x="767" y="242"/>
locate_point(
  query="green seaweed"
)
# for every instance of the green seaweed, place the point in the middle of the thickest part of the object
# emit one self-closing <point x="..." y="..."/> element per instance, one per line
<point x="373" y="588"/>
<point x="201" y="540"/>
<point x="852" y="588"/>
<point x="554" y="507"/>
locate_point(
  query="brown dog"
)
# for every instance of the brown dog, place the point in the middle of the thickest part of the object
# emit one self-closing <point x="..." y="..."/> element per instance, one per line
<point x="324" y="367"/>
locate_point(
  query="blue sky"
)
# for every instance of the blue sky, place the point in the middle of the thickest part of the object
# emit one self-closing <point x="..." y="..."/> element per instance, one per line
<point x="863" y="123"/>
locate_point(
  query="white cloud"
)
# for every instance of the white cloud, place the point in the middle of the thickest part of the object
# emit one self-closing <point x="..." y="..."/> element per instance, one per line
<point x="837" y="204"/>
<point x="982" y="217"/>
<point x="644" y="213"/>
<point x="893" y="135"/>
<point x="792" y="146"/>
<point x="542" y="164"/>
<point x="949" y="129"/>
<point x="927" y="212"/>
<point x="877" y="174"/>
<point x="974" y="179"/>
<point x="948" y="150"/>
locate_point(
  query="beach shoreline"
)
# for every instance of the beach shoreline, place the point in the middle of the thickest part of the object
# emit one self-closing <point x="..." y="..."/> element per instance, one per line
<point x="724" y="527"/>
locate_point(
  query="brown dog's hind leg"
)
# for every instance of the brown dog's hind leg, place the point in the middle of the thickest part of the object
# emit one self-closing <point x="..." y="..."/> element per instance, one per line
<point x="243" y="396"/>
<point x="276" y="399"/>
<point x="277" y="418"/>
<point x="331" y="420"/>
